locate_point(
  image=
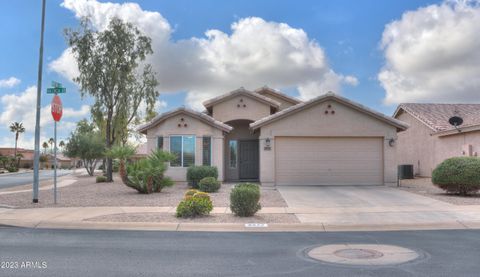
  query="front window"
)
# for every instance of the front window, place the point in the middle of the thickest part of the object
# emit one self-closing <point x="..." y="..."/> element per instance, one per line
<point x="207" y="150"/>
<point x="233" y="153"/>
<point x="183" y="147"/>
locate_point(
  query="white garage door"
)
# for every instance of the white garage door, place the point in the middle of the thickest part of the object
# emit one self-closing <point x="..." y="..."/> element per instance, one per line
<point x="328" y="161"/>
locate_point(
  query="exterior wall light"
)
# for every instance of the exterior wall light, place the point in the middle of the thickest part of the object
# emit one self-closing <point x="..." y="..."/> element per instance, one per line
<point x="267" y="144"/>
<point x="391" y="142"/>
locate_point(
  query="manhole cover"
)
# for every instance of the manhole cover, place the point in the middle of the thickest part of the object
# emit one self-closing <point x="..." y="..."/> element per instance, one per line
<point x="363" y="254"/>
<point x="358" y="254"/>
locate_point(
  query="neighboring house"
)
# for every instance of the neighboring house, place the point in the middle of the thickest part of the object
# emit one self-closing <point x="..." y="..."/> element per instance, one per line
<point x="267" y="136"/>
<point x="27" y="156"/>
<point x="431" y="139"/>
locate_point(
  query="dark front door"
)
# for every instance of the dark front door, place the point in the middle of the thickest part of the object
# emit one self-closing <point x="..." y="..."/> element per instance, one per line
<point x="248" y="158"/>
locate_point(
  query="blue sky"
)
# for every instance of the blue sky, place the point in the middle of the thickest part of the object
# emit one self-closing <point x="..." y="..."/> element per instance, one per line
<point x="348" y="35"/>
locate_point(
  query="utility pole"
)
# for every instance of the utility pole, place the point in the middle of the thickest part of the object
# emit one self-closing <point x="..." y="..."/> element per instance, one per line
<point x="36" y="161"/>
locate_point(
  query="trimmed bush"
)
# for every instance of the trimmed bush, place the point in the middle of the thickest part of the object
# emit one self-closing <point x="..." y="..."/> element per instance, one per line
<point x="194" y="205"/>
<point x="459" y="175"/>
<point x="101" y="179"/>
<point x="190" y="193"/>
<point x="197" y="173"/>
<point x="209" y="184"/>
<point x="244" y="199"/>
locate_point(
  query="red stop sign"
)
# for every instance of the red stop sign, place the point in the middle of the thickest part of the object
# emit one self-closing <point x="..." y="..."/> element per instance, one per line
<point x="57" y="108"/>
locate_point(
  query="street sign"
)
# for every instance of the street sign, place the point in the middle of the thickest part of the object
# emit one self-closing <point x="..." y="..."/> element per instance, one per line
<point x="56" y="108"/>
<point x="56" y="84"/>
<point x="56" y="90"/>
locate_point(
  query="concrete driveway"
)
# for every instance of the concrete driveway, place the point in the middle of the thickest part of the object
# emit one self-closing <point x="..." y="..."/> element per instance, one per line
<point x="370" y="205"/>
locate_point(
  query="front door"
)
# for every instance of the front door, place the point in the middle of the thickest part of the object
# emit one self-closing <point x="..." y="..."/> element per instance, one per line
<point x="248" y="159"/>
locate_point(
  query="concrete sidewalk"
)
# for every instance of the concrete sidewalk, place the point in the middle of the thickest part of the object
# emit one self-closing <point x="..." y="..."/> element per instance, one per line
<point x="327" y="219"/>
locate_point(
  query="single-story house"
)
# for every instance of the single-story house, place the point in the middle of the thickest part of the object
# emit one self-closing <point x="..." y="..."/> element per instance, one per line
<point x="431" y="138"/>
<point x="270" y="137"/>
<point x="26" y="161"/>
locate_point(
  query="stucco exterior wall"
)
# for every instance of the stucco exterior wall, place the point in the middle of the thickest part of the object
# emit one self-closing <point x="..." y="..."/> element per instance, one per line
<point x="425" y="151"/>
<point x="233" y="109"/>
<point x="195" y="127"/>
<point x="416" y="146"/>
<point x="345" y="121"/>
<point x="283" y="104"/>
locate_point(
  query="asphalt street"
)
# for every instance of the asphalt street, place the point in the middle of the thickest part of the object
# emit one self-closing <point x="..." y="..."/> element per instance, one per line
<point x="18" y="179"/>
<point x="149" y="253"/>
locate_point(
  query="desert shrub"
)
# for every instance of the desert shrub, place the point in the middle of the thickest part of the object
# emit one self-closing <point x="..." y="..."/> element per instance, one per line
<point x="101" y="179"/>
<point x="209" y="184"/>
<point x="115" y="165"/>
<point x="244" y="199"/>
<point x="189" y="193"/>
<point x="147" y="175"/>
<point x="194" y="205"/>
<point x="12" y="168"/>
<point x="197" y="173"/>
<point x="459" y="175"/>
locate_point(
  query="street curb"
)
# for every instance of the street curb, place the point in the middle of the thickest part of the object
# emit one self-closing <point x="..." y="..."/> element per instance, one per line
<point x="234" y="227"/>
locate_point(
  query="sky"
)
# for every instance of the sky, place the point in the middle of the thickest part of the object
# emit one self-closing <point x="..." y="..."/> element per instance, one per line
<point x="377" y="53"/>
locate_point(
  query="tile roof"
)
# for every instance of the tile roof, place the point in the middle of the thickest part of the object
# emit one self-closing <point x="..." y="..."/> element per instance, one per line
<point x="436" y="116"/>
<point x="265" y="90"/>
<point x="201" y="116"/>
<point x="328" y="96"/>
<point x="241" y="91"/>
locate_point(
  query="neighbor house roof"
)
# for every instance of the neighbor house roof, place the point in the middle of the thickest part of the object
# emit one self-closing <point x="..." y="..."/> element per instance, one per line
<point x="182" y="110"/>
<point x="329" y="96"/>
<point x="436" y="116"/>
<point x="265" y="90"/>
<point x="241" y="91"/>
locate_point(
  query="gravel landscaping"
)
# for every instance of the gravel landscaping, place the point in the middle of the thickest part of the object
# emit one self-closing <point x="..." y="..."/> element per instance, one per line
<point x="424" y="187"/>
<point x="86" y="193"/>
<point x="214" y="218"/>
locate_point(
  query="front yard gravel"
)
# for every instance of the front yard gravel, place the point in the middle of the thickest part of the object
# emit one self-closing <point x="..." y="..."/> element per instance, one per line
<point x="424" y="187"/>
<point x="213" y="218"/>
<point x="86" y="193"/>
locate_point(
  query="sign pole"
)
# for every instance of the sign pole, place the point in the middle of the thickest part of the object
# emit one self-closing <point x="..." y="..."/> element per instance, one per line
<point x="36" y="160"/>
<point x="55" y="164"/>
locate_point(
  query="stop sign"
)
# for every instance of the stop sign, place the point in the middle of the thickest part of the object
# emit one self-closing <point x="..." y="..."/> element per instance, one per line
<point x="56" y="107"/>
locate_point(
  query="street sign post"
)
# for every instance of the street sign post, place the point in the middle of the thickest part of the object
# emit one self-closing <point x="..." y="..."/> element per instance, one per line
<point x="57" y="112"/>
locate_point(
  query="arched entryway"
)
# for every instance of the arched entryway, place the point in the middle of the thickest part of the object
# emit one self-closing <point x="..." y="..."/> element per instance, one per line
<point x="241" y="152"/>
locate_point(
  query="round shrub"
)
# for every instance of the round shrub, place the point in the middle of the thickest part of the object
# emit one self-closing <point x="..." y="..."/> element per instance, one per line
<point x="209" y="184"/>
<point x="197" y="205"/>
<point x="244" y="199"/>
<point x="101" y="179"/>
<point x="197" y="173"/>
<point x="190" y="193"/>
<point x="460" y="175"/>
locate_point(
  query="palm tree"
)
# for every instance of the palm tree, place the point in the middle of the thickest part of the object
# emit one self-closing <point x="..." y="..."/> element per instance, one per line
<point x="45" y="147"/>
<point x="61" y="144"/>
<point x="17" y="128"/>
<point x="51" y="141"/>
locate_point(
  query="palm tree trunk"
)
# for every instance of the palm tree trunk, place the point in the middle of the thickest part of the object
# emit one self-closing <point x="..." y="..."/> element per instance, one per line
<point x="16" y="140"/>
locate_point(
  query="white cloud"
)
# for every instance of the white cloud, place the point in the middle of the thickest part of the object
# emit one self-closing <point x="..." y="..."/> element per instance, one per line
<point x="432" y="54"/>
<point x="21" y="107"/>
<point x="255" y="53"/>
<point x="9" y="83"/>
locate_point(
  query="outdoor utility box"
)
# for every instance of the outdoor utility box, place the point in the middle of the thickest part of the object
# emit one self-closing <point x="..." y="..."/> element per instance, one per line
<point x="405" y="171"/>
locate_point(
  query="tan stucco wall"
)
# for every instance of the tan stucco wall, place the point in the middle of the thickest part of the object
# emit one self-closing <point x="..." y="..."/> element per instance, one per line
<point x="416" y="146"/>
<point x="229" y="110"/>
<point x="314" y="122"/>
<point x="194" y="127"/>
<point x="425" y="151"/>
<point x="283" y="104"/>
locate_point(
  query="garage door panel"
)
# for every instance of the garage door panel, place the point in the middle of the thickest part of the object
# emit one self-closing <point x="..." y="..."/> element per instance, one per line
<point x="329" y="161"/>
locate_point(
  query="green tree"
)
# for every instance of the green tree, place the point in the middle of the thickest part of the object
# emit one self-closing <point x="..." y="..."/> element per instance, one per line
<point x="17" y="128"/>
<point x="87" y="145"/>
<point x="51" y="141"/>
<point x="61" y="144"/>
<point x="45" y="147"/>
<point x="112" y="71"/>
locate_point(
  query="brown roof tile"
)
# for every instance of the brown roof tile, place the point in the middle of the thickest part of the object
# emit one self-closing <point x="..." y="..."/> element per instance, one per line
<point x="436" y="116"/>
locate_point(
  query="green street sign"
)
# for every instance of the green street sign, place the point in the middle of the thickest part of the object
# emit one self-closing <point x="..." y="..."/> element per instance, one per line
<point x="56" y="90"/>
<point x="56" y="84"/>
